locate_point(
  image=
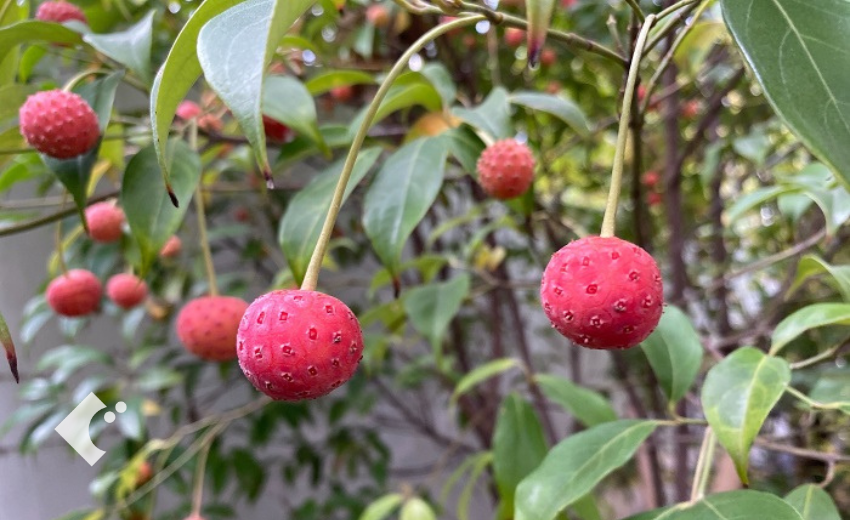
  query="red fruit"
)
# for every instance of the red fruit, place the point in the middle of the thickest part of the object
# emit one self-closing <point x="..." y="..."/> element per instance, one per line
<point x="553" y="87"/>
<point x="295" y="344"/>
<point x="145" y="474"/>
<point x="275" y="130"/>
<point x="104" y="221"/>
<point x="126" y="290"/>
<point x="506" y="169"/>
<point x="187" y="110"/>
<point x="514" y="36"/>
<point x="602" y="293"/>
<point x="60" y="12"/>
<point x="194" y="517"/>
<point x="690" y="109"/>
<point x="171" y="248"/>
<point x="207" y="326"/>
<point x="59" y="124"/>
<point x="651" y="179"/>
<point x="210" y="123"/>
<point x="548" y="57"/>
<point x="75" y="293"/>
<point x="568" y="3"/>
<point x="342" y="93"/>
<point x="378" y="15"/>
<point x="653" y="199"/>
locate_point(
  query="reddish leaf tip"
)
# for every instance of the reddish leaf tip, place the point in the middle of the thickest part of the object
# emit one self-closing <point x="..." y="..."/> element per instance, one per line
<point x="13" y="366"/>
<point x="269" y="180"/>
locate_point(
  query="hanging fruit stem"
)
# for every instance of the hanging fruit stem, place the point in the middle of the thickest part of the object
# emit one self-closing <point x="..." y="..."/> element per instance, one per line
<point x="202" y="218"/>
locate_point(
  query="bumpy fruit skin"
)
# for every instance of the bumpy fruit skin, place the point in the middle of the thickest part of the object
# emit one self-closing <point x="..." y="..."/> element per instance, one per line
<point x="59" y="124"/>
<point x="276" y="131"/>
<point x="60" y="12"/>
<point x="187" y="110"/>
<point x="207" y="326"/>
<point x="506" y="169"/>
<point x="172" y="247"/>
<point x="514" y="37"/>
<point x="75" y="293"/>
<point x="126" y="290"/>
<point x="602" y="293"/>
<point x="295" y="344"/>
<point x="104" y="221"/>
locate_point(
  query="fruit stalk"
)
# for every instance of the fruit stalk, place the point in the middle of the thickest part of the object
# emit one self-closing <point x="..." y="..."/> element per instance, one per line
<point x="202" y="218"/>
<point x="609" y="221"/>
<point x="311" y="278"/>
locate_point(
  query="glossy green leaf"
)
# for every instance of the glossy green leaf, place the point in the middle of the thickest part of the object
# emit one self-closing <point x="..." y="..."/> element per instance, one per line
<point x="833" y="388"/>
<point x="586" y="508"/>
<point x="399" y="197"/>
<point x="302" y="222"/>
<point x="131" y="421"/>
<point x="30" y="31"/>
<point x="475" y="472"/>
<point x="409" y="90"/>
<point x="804" y="76"/>
<point x="150" y="214"/>
<point x="738" y="394"/>
<point x="813" y="503"/>
<point x="539" y="15"/>
<point x="482" y="373"/>
<point x="576" y="465"/>
<point x="754" y="199"/>
<point x="9" y="347"/>
<point x="234" y="49"/>
<point x="466" y="147"/>
<point x="179" y="73"/>
<point x="416" y="509"/>
<point x="492" y="117"/>
<point x="100" y="95"/>
<point x="65" y="360"/>
<point x="556" y="105"/>
<point x="813" y="265"/>
<point x="74" y="174"/>
<point x="286" y="99"/>
<point x="325" y="81"/>
<point x="442" y="80"/>
<point x="382" y="507"/>
<point x="675" y="352"/>
<point x="807" y="318"/>
<point x="9" y="65"/>
<point x="432" y="307"/>
<point x="131" y="48"/>
<point x="745" y="504"/>
<point x="589" y="407"/>
<point x="833" y="202"/>
<point x="519" y="446"/>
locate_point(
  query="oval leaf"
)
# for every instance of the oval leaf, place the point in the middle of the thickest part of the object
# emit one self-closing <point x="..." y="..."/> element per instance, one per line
<point x="401" y="194"/>
<point x="482" y="373"/>
<point x="804" y="77"/>
<point x="382" y="507"/>
<point x="574" y="467"/>
<point x="34" y="31"/>
<point x="150" y="214"/>
<point x="558" y="106"/>
<point x="492" y="117"/>
<point x="131" y="48"/>
<point x="675" y="352"/>
<point x="411" y="89"/>
<point x="807" y="318"/>
<point x="589" y="407"/>
<point x="737" y="396"/>
<point x="725" y="506"/>
<point x="416" y="509"/>
<point x="813" y="503"/>
<point x="432" y="307"/>
<point x="286" y="100"/>
<point x="812" y="265"/>
<point x="324" y="82"/>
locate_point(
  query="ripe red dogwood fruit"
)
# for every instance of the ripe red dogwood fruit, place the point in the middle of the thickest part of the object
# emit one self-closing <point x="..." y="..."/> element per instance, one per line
<point x="60" y="12"/>
<point x="172" y="247"/>
<point x="59" y="124"/>
<point x="187" y="110"/>
<point x="548" y="57"/>
<point x="104" y="220"/>
<point x="276" y="131"/>
<point x="514" y="36"/>
<point x="342" y="94"/>
<point x="75" y="293"/>
<point x="602" y="293"/>
<point x="506" y="169"/>
<point x="653" y="198"/>
<point x="126" y="290"/>
<point x="207" y="326"/>
<point x="295" y="344"/>
<point x="651" y="179"/>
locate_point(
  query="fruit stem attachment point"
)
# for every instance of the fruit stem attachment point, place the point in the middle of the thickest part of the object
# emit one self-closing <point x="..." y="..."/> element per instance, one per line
<point x="202" y="218"/>
<point x="609" y="221"/>
<point x="311" y="277"/>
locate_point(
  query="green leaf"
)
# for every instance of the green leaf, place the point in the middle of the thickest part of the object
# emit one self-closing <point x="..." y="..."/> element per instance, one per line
<point x="586" y="508"/>
<point x="417" y="509"/>
<point x="150" y="214"/>
<point x="833" y="388"/>
<point x="465" y="497"/>
<point x="492" y="117"/>
<point x="481" y="373"/>
<point x="576" y="465"/>
<point x="675" y="352"/>
<point x="382" y="507"/>
<point x="302" y="222"/>
<point x="179" y="73"/>
<point x="432" y="307"/>
<point x="804" y="77"/>
<point x="100" y="95"/>
<point x="131" y="48"/>
<point x="727" y="506"/>
<point x="234" y="49"/>
<point x="410" y="89"/>
<point x="558" y="106"/>
<point x="539" y="14"/>
<point x="813" y="265"/>
<point x="442" y="80"/>
<point x="400" y="195"/>
<point x="131" y="421"/>
<point x="74" y="174"/>
<point x="64" y="361"/>
<point x="250" y="474"/>
<point x="519" y="446"/>
<point x="737" y="396"/>
<point x="325" y="81"/>
<point x="466" y="147"/>
<point x="158" y="378"/>
<point x="589" y="407"/>
<point x="751" y="200"/>
<point x="30" y="31"/>
<point x="807" y="318"/>
<point x="813" y="503"/>
<point x="286" y="99"/>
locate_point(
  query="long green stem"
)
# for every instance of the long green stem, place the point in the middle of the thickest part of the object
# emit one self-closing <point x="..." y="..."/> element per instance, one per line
<point x="311" y="278"/>
<point x="815" y="404"/>
<point x="702" y="472"/>
<point x="609" y="221"/>
<point x="200" y="471"/>
<point x="814" y="360"/>
<point x="675" y="7"/>
<point x="203" y="239"/>
<point x="637" y="10"/>
<point x="82" y="75"/>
